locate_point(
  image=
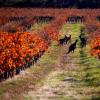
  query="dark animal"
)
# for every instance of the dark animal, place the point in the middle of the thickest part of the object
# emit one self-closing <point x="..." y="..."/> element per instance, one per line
<point x="83" y="41"/>
<point x="67" y="39"/>
<point x="64" y="40"/>
<point x="61" y="41"/>
<point x="72" y="47"/>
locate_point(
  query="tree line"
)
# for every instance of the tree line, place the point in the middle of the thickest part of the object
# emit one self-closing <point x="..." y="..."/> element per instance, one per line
<point x="51" y="3"/>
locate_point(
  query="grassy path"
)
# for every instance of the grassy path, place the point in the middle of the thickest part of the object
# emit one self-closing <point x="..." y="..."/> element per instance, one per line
<point x="75" y="78"/>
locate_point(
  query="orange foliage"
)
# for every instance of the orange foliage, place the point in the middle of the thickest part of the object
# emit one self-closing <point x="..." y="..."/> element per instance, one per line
<point x="15" y="47"/>
<point x="95" y="46"/>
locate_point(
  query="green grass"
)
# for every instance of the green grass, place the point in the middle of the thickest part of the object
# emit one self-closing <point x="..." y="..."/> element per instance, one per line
<point x="88" y="73"/>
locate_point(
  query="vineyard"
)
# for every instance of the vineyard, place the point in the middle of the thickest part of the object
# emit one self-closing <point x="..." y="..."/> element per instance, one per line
<point x="21" y="45"/>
